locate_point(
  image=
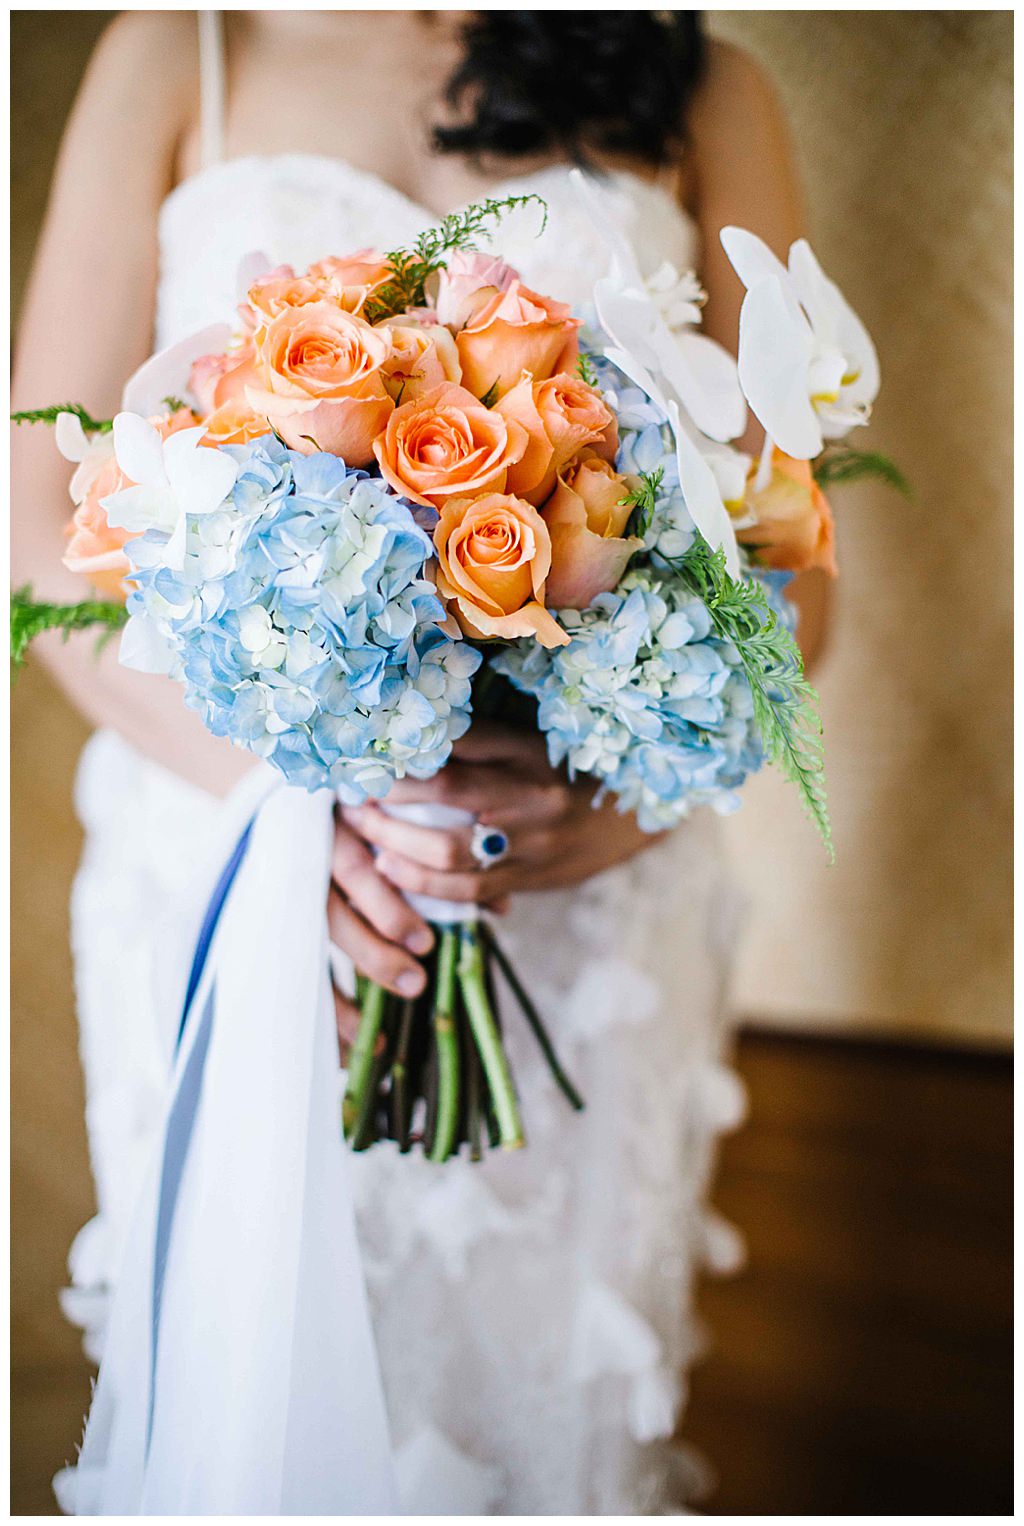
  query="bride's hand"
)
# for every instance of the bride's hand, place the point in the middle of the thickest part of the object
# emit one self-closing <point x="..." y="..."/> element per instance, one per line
<point x="556" y="836"/>
<point x="371" y="922"/>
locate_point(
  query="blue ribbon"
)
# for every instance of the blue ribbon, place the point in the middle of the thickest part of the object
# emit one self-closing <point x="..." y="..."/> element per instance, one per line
<point x="185" y="1103"/>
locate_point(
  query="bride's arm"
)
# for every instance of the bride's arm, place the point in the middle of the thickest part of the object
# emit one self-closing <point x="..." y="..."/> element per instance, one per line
<point x="743" y="171"/>
<point x="86" y="325"/>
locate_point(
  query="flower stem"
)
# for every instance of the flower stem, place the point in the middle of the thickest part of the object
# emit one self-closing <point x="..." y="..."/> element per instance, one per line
<point x="474" y="1097"/>
<point x="401" y="1099"/>
<point x="488" y="1042"/>
<point x="360" y="1062"/>
<point x="447" y="1039"/>
<point x="533" y="1018"/>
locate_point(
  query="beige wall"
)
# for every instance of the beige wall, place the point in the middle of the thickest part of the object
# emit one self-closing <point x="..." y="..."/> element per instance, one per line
<point x="902" y="125"/>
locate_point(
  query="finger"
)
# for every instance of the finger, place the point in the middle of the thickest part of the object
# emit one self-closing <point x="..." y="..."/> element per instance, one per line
<point x="354" y="872"/>
<point x="464" y="885"/>
<point x="496" y="795"/>
<point x="346" y="1020"/>
<point x="433" y="847"/>
<point x="491" y="742"/>
<point x="373" y="956"/>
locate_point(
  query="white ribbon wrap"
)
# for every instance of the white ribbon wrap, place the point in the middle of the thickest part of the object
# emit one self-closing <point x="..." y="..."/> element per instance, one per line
<point x="267" y="1396"/>
<point x="429" y="813"/>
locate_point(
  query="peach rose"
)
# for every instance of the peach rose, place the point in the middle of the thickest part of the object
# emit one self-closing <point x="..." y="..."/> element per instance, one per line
<point x="467" y="284"/>
<point x="95" y="548"/>
<point x="350" y="280"/>
<point x="493" y="556"/>
<point x="794" y="530"/>
<point x="517" y="330"/>
<point x="270" y="294"/>
<point x="423" y="357"/>
<point x="320" y="380"/>
<point x="560" y="415"/>
<point x="234" y="423"/>
<point x="219" y="379"/>
<point x="586" y="516"/>
<point x="448" y="445"/>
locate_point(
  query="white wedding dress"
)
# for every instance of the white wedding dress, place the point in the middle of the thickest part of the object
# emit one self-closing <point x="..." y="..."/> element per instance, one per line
<point x="533" y="1314"/>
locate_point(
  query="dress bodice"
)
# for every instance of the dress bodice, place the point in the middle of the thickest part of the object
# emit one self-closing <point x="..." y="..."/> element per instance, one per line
<point x="297" y="208"/>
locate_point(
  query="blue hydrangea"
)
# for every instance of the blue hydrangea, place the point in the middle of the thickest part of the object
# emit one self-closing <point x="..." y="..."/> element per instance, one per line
<point x="304" y="628"/>
<point x="646" y="699"/>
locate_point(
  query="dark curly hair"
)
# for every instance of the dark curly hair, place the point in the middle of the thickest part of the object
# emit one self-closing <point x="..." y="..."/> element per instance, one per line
<point x="576" y="82"/>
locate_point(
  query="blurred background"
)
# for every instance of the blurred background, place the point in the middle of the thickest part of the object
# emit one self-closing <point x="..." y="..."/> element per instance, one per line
<point x="860" y="1363"/>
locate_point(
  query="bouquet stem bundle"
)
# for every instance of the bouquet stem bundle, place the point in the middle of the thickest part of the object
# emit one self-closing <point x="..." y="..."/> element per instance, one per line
<point x="433" y="1072"/>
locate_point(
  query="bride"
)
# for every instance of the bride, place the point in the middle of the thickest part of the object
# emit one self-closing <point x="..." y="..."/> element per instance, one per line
<point x="533" y="1316"/>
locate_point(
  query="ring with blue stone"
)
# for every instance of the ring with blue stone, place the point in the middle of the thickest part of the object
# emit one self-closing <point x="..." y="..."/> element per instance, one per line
<point x="488" y="845"/>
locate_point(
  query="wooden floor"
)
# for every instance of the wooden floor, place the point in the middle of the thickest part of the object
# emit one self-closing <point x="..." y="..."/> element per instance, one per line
<point x="861" y="1362"/>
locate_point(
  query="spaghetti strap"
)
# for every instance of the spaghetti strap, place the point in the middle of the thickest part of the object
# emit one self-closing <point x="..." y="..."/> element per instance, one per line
<point x="211" y="87"/>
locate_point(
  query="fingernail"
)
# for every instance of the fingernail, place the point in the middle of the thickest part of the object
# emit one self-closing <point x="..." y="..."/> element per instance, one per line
<point x="411" y="983"/>
<point x="421" y="941"/>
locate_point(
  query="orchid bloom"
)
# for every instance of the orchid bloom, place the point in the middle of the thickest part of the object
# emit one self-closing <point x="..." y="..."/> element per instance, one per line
<point x="89" y="453"/>
<point x="807" y="365"/>
<point x="687" y="375"/>
<point x="170" y="479"/>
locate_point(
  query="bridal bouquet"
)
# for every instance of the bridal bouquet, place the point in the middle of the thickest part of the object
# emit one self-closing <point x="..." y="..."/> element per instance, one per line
<point x="408" y="489"/>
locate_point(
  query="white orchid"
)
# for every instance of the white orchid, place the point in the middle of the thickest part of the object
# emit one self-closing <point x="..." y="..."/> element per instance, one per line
<point x="807" y="365"/>
<point x="166" y="374"/>
<point x="687" y="375"/>
<point x="90" y="453"/>
<point x="171" y="478"/>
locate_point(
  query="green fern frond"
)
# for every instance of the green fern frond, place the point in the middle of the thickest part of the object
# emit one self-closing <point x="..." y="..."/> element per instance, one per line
<point x="785" y="703"/>
<point x="412" y="268"/>
<point x="585" y="369"/>
<point x="49" y="416"/>
<point x="644" y="501"/>
<point x="847" y="465"/>
<point x="30" y="619"/>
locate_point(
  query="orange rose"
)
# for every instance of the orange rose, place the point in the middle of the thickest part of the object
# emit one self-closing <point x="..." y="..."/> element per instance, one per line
<point x="493" y="556"/>
<point x="320" y="380"/>
<point x="586" y="516"/>
<point x="517" y="330"/>
<point x="94" y="547"/>
<point x="423" y="358"/>
<point x="234" y="423"/>
<point x="794" y="530"/>
<point x="273" y="292"/>
<point x="351" y="280"/>
<point x="560" y="415"/>
<point x="447" y="445"/>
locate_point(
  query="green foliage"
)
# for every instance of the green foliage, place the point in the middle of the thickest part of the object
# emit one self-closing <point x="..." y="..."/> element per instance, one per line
<point x="785" y="703"/>
<point x="585" y="369"/>
<point x="490" y="397"/>
<point x="30" y="619"/>
<point x="843" y="464"/>
<point x="412" y="268"/>
<point x="49" y="416"/>
<point x="643" y="499"/>
<point x="173" y="404"/>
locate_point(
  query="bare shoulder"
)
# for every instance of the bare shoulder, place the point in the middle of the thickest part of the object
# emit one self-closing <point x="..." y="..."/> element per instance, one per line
<point x="734" y="86"/>
<point x="149" y="56"/>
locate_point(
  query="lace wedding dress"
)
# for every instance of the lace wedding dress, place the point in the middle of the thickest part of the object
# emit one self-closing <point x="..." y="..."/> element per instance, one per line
<point x="533" y="1314"/>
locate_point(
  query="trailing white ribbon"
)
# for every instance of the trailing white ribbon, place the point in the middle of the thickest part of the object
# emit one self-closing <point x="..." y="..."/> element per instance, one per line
<point x="265" y="1395"/>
